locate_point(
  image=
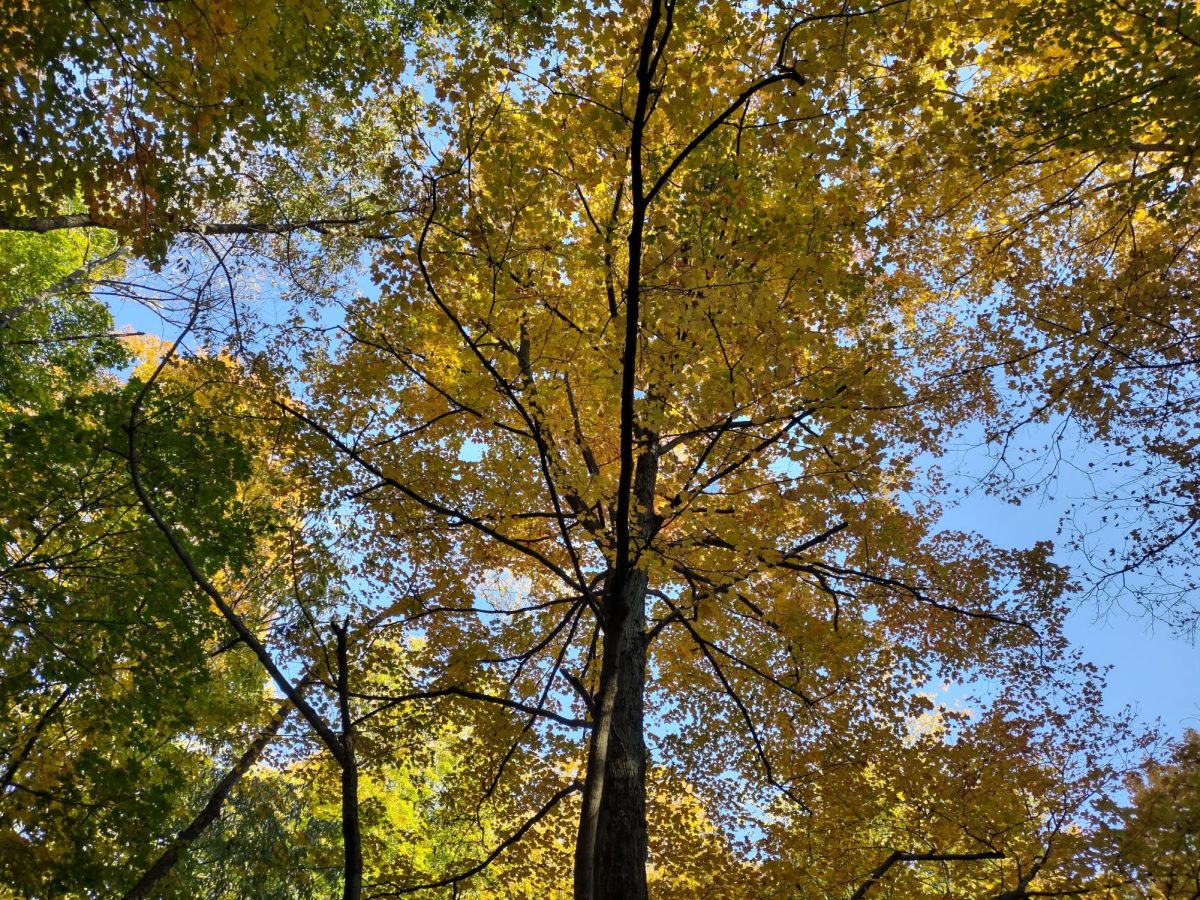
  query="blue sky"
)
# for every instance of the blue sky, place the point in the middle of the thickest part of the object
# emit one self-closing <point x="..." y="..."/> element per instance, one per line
<point x="1153" y="670"/>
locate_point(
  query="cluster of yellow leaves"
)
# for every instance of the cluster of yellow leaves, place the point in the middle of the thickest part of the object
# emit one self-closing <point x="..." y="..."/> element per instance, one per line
<point x="792" y="340"/>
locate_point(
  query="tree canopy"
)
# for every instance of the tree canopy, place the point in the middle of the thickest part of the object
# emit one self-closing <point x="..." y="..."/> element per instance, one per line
<point x="522" y="476"/>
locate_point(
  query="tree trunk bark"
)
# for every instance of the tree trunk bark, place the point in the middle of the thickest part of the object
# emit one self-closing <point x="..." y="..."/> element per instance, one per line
<point x="351" y="831"/>
<point x="613" y="846"/>
<point x="611" y="850"/>
<point x="621" y="835"/>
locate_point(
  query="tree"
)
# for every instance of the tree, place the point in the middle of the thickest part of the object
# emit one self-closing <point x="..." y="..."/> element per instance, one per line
<point x="108" y="663"/>
<point x="141" y="110"/>
<point x="623" y="460"/>
<point x="642" y="351"/>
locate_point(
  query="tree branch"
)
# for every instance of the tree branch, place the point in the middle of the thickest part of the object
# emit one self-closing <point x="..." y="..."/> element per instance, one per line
<point x="10" y="772"/>
<point x="8" y="316"/>
<point x="46" y="224"/>
<point x="289" y="690"/>
<point x="212" y="809"/>
<point x="899" y="856"/>
<point x="487" y="861"/>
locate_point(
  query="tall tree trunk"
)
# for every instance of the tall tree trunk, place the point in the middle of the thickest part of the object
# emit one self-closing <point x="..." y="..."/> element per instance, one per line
<point x="612" y="849"/>
<point x="621" y="834"/>
<point x="351" y="830"/>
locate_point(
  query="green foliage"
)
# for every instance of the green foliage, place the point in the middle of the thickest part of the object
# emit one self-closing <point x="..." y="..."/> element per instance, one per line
<point x="147" y="113"/>
<point x="51" y="348"/>
<point x="116" y="706"/>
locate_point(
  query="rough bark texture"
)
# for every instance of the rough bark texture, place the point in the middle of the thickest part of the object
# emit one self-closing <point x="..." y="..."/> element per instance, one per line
<point x="593" y="786"/>
<point x="621" y="839"/>
<point x="622" y="845"/>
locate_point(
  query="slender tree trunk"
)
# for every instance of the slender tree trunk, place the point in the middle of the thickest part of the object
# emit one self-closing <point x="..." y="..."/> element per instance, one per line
<point x="351" y="830"/>
<point x="212" y="808"/>
<point x="340" y="746"/>
<point x="611" y="849"/>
